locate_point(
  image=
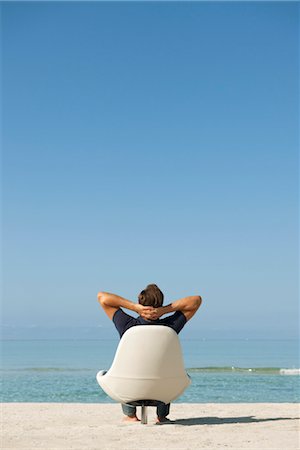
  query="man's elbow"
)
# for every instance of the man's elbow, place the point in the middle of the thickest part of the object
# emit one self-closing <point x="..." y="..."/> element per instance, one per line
<point x="198" y="301"/>
<point x="101" y="298"/>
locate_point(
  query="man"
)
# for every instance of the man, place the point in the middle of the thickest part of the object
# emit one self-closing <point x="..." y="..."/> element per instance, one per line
<point x="150" y="308"/>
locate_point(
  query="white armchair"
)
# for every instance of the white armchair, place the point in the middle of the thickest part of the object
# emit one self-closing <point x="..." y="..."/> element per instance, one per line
<point x="147" y="368"/>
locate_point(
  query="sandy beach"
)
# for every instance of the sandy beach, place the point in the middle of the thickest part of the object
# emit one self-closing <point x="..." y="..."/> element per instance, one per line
<point x="99" y="426"/>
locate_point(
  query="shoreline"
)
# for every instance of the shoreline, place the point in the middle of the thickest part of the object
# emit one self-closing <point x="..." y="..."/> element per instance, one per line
<point x="58" y="426"/>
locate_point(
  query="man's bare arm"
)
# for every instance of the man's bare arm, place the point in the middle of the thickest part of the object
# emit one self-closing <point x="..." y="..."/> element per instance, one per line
<point x="187" y="305"/>
<point x="111" y="303"/>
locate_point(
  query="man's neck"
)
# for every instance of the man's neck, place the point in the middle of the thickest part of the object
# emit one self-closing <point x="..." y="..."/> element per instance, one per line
<point x="146" y="320"/>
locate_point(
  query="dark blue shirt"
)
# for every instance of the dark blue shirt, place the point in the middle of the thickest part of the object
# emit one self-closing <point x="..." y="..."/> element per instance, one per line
<point x="124" y="321"/>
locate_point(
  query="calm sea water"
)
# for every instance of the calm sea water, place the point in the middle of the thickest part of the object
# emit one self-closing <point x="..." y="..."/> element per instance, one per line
<point x="221" y="370"/>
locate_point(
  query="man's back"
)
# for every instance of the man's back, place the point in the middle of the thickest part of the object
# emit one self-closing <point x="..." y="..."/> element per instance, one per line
<point x="124" y="321"/>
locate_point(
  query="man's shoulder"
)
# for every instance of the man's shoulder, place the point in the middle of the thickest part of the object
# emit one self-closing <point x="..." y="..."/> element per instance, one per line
<point x="176" y="321"/>
<point x="121" y="315"/>
<point x="123" y="321"/>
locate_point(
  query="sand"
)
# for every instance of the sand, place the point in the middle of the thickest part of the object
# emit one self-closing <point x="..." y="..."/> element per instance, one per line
<point x="196" y="426"/>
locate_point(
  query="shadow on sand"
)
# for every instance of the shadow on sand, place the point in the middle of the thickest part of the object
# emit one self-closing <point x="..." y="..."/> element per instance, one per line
<point x="223" y="420"/>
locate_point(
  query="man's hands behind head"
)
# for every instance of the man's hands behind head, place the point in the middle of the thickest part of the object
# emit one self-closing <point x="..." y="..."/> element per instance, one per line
<point x="148" y="312"/>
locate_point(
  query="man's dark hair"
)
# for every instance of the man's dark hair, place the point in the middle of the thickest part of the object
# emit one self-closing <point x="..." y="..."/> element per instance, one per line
<point x="151" y="296"/>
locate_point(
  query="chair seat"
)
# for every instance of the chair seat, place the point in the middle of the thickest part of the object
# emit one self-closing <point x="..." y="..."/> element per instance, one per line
<point x="148" y="364"/>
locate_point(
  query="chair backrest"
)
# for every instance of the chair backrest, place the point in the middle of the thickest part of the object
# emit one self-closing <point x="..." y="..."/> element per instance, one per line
<point x="148" y="365"/>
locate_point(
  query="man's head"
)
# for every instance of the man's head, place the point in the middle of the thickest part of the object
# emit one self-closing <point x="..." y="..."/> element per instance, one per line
<point x="151" y="296"/>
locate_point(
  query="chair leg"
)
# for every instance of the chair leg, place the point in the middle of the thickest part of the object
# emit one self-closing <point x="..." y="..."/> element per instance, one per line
<point x="144" y="415"/>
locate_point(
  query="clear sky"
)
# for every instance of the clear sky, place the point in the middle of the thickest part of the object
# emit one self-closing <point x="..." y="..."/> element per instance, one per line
<point x="151" y="143"/>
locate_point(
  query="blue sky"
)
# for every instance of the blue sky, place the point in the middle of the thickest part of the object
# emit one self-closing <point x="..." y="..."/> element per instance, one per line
<point x="151" y="143"/>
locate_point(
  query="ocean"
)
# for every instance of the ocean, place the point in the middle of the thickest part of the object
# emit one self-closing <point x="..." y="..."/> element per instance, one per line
<point x="222" y="370"/>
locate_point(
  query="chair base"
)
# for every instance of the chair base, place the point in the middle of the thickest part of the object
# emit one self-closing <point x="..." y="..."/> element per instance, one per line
<point x="144" y="404"/>
<point x="144" y="417"/>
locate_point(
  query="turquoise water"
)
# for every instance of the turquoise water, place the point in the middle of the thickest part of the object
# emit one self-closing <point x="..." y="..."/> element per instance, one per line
<point x="221" y="370"/>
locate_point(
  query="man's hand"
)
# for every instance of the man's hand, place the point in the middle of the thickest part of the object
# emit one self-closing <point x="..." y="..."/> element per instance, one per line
<point x="146" y="312"/>
<point x="158" y="312"/>
<point x="150" y="313"/>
